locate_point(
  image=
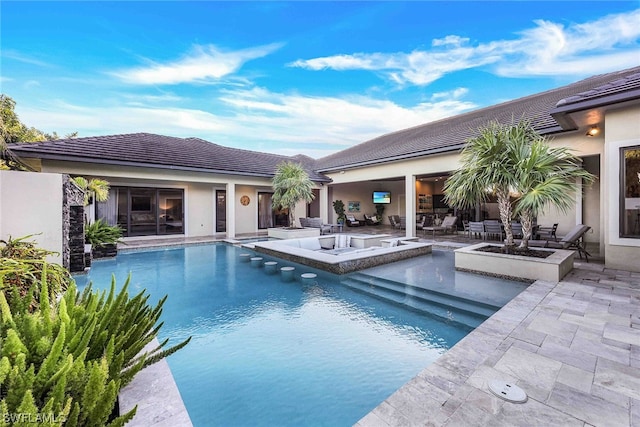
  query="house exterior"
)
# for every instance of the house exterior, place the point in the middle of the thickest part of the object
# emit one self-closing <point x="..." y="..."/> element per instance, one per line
<point x="186" y="186"/>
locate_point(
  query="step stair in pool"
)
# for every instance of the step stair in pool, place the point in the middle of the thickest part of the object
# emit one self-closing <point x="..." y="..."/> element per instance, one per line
<point x="447" y="307"/>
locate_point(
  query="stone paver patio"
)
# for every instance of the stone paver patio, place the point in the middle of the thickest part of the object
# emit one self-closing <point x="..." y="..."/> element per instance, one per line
<point x="573" y="346"/>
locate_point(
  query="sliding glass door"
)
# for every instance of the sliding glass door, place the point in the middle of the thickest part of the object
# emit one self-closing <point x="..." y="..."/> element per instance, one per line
<point x="144" y="211"/>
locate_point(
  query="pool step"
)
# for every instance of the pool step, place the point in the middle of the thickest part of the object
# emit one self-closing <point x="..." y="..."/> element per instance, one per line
<point x="445" y="306"/>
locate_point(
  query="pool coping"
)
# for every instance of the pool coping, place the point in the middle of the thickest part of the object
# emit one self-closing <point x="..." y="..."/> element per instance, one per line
<point x="156" y="394"/>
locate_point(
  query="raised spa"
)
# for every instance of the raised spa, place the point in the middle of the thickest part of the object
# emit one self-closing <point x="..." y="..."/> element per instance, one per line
<point x="343" y="253"/>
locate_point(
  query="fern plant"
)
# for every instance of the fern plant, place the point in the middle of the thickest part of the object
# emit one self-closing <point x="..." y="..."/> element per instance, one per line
<point x="69" y="359"/>
<point x="99" y="233"/>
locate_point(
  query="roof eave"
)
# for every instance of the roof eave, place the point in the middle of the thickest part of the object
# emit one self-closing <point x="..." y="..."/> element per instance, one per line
<point x="561" y="113"/>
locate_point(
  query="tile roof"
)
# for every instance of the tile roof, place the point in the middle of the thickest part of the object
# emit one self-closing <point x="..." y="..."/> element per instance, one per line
<point x="446" y="135"/>
<point x="626" y="84"/>
<point x="158" y="151"/>
<point x="451" y="133"/>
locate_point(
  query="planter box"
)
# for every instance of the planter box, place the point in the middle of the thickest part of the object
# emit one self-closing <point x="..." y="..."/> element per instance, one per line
<point x="108" y="250"/>
<point x="293" y="233"/>
<point x="551" y="269"/>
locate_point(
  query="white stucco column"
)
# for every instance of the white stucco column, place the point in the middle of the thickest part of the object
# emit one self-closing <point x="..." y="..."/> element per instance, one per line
<point x="410" y="201"/>
<point x="231" y="210"/>
<point x="578" y="195"/>
<point x="324" y="204"/>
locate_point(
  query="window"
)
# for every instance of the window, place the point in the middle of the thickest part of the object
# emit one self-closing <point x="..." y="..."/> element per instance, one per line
<point x="630" y="192"/>
<point x="144" y="211"/>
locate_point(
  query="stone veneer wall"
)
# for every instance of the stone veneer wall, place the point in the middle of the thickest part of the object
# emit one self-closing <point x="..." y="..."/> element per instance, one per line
<point x="72" y="225"/>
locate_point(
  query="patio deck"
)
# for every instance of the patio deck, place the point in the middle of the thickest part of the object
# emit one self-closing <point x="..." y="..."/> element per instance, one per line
<point x="573" y="346"/>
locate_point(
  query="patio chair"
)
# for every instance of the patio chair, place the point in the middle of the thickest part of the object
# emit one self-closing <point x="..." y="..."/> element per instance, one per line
<point x="403" y="223"/>
<point x="573" y="240"/>
<point x="465" y="228"/>
<point x="352" y="221"/>
<point x="372" y="220"/>
<point x="516" y="230"/>
<point x="449" y="224"/>
<point x="547" y="233"/>
<point x="395" y="221"/>
<point x="476" y="228"/>
<point x="493" y="228"/>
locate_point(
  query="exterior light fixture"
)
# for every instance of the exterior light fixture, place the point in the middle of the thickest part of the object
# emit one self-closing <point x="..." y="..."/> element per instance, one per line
<point x="593" y="131"/>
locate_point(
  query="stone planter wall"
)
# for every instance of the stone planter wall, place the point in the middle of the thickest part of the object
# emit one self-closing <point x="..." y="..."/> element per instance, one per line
<point x="552" y="269"/>
<point x="108" y="250"/>
<point x="72" y="226"/>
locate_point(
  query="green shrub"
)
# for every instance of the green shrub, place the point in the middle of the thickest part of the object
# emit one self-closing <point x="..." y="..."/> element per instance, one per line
<point x="100" y="233"/>
<point x="70" y="358"/>
<point x="21" y="270"/>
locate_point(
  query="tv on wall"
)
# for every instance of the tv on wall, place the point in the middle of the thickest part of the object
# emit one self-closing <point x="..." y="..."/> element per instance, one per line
<point x="381" y="197"/>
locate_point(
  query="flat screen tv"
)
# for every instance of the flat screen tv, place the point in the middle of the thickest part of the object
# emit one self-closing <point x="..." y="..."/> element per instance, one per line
<point x="381" y="197"/>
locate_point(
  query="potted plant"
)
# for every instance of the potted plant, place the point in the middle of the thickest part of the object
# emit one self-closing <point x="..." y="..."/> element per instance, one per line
<point x="103" y="238"/>
<point x="338" y="207"/>
<point x="380" y="211"/>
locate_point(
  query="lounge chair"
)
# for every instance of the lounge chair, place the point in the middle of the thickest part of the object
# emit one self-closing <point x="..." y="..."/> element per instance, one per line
<point x="448" y="224"/>
<point x="352" y="221"/>
<point x="547" y="233"/>
<point x="573" y="240"/>
<point x="395" y="221"/>
<point x="372" y="220"/>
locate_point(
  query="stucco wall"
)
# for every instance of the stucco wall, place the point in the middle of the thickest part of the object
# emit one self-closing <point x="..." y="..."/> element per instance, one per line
<point x="622" y="130"/>
<point x="31" y="203"/>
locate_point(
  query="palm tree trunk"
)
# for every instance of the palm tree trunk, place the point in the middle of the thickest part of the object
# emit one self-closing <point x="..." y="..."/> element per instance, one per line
<point x="504" y="206"/>
<point x="526" y="219"/>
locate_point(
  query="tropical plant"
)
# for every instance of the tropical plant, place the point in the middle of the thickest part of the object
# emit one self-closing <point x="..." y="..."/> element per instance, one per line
<point x="544" y="176"/>
<point x="94" y="187"/>
<point x="291" y="184"/>
<point x="380" y="210"/>
<point x="70" y="359"/>
<point x="487" y="168"/>
<point x="13" y="130"/>
<point x="99" y="233"/>
<point x="22" y="269"/>
<point x="338" y="207"/>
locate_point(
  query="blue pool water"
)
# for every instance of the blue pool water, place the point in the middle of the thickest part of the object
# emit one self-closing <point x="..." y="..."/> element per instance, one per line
<point x="268" y="352"/>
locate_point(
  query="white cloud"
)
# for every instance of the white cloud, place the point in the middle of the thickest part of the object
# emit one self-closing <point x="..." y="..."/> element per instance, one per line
<point x="27" y="59"/>
<point x="203" y="64"/>
<point x="451" y="40"/>
<point x="608" y="43"/>
<point x="256" y="119"/>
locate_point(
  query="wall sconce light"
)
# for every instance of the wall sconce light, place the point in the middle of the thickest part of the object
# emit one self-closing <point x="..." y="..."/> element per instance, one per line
<point x="593" y="131"/>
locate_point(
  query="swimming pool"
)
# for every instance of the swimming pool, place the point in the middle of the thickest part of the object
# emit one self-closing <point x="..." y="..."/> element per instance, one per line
<point x="265" y="352"/>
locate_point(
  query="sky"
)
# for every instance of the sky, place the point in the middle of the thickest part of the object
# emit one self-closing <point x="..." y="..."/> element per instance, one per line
<point x="298" y="77"/>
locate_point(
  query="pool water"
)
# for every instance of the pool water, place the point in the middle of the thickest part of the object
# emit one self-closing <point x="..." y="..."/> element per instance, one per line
<point x="268" y="352"/>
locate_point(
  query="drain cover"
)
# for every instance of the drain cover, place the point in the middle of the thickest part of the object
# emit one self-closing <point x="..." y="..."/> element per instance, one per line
<point x="509" y="392"/>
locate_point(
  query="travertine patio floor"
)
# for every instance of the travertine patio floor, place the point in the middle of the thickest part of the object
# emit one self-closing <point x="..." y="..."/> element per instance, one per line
<point x="573" y="346"/>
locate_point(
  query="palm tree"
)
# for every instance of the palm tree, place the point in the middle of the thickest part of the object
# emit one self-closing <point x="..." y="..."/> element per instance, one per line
<point x="544" y="176"/>
<point x="487" y="168"/>
<point x="291" y="184"/>
<point x="98" y="188"/>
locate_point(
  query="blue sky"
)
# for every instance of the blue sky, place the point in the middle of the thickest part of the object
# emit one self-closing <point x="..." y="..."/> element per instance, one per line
<point x="298" y="77"/>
